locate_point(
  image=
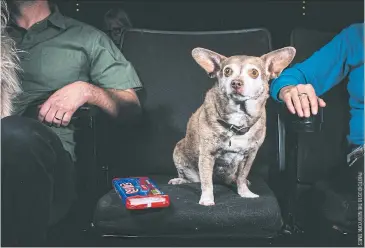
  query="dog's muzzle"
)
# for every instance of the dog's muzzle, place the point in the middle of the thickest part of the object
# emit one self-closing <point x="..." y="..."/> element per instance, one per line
<point x="254" y="97"/>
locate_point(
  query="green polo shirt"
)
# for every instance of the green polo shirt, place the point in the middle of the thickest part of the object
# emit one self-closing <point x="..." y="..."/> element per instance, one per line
<point x="59" y="51"/>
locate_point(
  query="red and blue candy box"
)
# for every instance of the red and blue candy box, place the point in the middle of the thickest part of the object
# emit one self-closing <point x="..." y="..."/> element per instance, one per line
<point x="140" y="193"/>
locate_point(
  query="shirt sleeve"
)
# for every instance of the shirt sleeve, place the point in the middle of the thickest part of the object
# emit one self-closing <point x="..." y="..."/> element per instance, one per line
<point x="324" y="69"/>
<point x="109" y="68"/>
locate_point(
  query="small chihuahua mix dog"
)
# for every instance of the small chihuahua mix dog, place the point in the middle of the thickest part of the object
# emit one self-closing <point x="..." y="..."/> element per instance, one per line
<point x="225" y="133"/>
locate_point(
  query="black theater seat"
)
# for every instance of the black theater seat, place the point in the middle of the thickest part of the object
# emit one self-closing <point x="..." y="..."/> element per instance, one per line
<point x="232" y="215"/>
<point x="174" y="87"/>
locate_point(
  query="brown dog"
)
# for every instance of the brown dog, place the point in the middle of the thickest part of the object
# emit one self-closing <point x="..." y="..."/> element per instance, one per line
<point x="225" y="133"/>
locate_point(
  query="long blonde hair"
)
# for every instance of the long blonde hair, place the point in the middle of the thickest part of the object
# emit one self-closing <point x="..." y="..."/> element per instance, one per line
<point x="9" y="63"/>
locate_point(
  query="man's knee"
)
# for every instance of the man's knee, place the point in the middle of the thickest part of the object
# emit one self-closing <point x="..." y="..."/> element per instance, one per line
<point x="27" y="142"/>
<point x="22" y="131"/>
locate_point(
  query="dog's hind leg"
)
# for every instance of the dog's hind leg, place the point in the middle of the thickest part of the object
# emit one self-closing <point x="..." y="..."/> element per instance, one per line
<point x="186" y="172"/>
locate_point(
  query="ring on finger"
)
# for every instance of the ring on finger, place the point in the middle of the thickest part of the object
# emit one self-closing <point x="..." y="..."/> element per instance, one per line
<point x="59" y="116"/>
<point x="57" y="121"/>
<point x="302" y="94"/>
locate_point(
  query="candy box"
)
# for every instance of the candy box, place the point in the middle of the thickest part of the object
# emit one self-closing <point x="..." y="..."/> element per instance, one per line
<point x="140" y="193"/>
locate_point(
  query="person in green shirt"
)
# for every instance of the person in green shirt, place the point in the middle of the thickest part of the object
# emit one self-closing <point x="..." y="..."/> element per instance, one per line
<point x="65" y="65"/>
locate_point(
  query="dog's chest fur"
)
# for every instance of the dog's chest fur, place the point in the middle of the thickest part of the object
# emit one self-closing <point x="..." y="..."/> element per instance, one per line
<point x="229" y="156"/>
<point x="234" y="148"/>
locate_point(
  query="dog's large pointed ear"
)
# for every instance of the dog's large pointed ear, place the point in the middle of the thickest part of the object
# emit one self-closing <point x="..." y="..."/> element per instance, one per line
<point x="276" y="61"/>
<point x="210" y="61"/>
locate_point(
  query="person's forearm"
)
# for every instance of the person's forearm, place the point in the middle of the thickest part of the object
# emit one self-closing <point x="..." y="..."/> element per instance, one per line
<point x="118" y="103"/>
<point x="290" y="76"/>
<point x="323" y="69"/>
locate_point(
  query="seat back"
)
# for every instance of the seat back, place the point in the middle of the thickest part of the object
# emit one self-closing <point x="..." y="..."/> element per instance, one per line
<point x="174" y="88"/>
<point x="318" y="152"/>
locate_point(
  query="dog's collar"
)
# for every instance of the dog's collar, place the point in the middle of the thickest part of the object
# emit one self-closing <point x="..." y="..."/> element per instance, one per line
<point x="234" y="128"/>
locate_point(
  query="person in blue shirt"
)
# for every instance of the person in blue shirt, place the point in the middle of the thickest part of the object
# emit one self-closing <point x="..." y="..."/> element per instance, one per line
<point x="342" y="57"/>
<point x="300" y="85"/>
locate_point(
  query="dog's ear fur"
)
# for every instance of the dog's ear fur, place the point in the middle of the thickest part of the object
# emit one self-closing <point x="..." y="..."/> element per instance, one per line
<point x="210" y="61"/>
<point x="276" y="61"/>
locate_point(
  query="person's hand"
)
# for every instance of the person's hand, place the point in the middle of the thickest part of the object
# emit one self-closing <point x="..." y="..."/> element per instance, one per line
<point x="59" y="107"/>
<point x="301" y="99"/>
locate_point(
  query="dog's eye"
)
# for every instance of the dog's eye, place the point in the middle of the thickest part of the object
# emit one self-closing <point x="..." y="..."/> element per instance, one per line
<point x="228" y="72"/>
<point x="253" y="73"/>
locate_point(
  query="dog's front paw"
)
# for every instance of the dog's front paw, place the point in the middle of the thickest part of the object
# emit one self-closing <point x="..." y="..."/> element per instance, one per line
<point x="178" y="181"/>
<point x="206" y="200"/>
<point x="248" y="194"/>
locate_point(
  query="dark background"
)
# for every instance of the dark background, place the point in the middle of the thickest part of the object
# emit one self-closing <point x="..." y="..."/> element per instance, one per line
<point x="279" y="17"/>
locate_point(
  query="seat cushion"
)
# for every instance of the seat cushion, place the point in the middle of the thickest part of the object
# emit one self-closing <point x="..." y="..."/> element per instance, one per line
<point x="232" y="215"/>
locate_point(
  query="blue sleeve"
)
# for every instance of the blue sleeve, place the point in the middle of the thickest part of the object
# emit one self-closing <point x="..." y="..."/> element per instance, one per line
<point x="324" y="69"/>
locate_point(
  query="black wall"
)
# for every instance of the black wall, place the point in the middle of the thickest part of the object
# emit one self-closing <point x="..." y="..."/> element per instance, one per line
<point x="280" y="17"/>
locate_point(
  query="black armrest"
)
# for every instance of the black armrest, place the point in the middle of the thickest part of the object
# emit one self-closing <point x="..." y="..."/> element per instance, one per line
<point x="291" y="127"/>
<point x="303" y="125"/>
<point x="84" y="116"/>
<point x="85" y="111"/>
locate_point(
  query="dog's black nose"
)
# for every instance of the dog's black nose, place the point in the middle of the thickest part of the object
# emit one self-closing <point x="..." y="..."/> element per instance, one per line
<point x="236" y="84"/>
